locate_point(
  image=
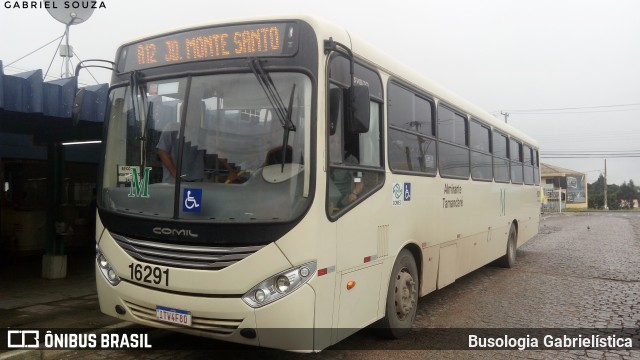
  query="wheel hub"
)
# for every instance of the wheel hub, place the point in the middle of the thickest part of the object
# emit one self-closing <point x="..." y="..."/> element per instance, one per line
<point x="405" y="294"/>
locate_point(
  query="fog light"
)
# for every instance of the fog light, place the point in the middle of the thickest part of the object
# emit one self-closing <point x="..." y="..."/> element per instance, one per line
<point x="106" y="269"/>
<point x="259" y="295"/>
<point x="304" y="272"/>
<point x="102" y="261"/>
<point x="112" y="275"/>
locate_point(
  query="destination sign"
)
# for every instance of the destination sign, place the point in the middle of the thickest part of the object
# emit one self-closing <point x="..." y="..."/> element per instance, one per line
<point x="274" y="39"/>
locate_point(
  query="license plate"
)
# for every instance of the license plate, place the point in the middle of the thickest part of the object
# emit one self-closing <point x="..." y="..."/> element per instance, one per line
<point x="174" y="316"/>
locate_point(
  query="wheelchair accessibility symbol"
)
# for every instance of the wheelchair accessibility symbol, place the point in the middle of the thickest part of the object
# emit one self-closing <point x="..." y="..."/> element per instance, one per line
<point x="192" y="200"/>
<point x="407" y="191"/>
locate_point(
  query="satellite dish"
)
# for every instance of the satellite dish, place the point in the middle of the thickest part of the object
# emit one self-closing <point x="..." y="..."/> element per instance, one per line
<point x="61" y="11"/>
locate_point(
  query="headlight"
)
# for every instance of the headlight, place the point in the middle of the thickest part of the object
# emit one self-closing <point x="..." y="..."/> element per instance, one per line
<point x="106" y="269"/>
<point x="283" y="284"/>
<point x="279" y="285"/>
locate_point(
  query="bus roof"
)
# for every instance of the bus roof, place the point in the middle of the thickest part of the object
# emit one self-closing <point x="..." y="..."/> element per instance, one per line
<point x="396" y="69"/>
<point x="367" y="52"/>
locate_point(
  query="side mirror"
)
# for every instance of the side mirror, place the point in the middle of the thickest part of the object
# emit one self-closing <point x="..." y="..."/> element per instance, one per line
<point x="76" y="110"/>
<point x="360" y="109"/>
<point x="335" y="104"/>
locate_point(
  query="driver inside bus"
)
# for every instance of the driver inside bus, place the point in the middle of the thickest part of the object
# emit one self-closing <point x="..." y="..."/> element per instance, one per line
<point x="193" y="159"/>
<point x="168" y="150"/>
<point x="348" y="183"/>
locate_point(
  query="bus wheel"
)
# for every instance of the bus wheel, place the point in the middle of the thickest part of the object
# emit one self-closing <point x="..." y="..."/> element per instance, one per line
<point x="509" y="258"/>
<point x="402" y="297"/>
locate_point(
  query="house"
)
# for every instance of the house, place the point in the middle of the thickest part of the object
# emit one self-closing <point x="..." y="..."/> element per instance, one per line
<point x="572" y="185"/>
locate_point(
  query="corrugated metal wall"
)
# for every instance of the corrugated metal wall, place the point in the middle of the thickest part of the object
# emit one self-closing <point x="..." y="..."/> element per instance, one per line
<point x="27" y="93"/>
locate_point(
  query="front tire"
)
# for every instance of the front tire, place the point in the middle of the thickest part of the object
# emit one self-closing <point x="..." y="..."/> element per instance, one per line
<point x="402" y="297"/>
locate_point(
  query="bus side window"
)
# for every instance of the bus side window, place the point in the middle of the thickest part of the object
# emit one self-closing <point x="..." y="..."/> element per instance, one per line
<point x="515" y="154"/>
<point x="349" y="152"/>
<point x="354" y="150"/>
<point x="453" y="148"/>
<point x="412" y="144"/>
<point x="343" y="181"/>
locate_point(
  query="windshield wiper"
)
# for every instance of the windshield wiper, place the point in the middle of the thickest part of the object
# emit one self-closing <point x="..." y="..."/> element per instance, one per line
<point x="283" y="113"/>
<point x="141" y="115"/>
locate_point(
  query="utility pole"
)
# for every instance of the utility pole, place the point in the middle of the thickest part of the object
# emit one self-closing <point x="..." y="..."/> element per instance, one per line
<point x="506" y="116"/>
<point x="606" y="207"/>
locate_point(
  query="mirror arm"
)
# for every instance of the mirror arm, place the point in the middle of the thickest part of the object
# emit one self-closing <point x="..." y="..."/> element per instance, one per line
<point x="81" y="65"/>
<point x="331" y="45"/>
<point x="78" y="96"/>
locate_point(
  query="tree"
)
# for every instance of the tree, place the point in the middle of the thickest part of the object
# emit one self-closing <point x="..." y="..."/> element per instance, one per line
<point x="597" y="188"/>
<point x="627" y="194"/>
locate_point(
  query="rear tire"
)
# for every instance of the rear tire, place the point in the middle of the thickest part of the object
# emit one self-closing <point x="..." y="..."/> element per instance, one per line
<point x="402" y="297"/>
<point x="509" y="258"/>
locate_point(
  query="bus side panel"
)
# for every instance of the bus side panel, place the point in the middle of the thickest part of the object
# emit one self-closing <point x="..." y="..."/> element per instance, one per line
<point x="360" y="234"/>
<point x="447" y="265"/>
<point x="325" y="285"/>
<point x="355" y="311"/>
<point x="530" y="220"/>
<point x="499" y="234"/>
<point x="467" y="207"/>
<point x="416" y="220"/>
<point x="473" y="253"/>
<point x="288" y="321"/>
<point x="431" y="258"/>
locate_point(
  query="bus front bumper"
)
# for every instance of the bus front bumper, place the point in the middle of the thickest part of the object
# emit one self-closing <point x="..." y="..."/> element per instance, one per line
<point x="285" y="324"/>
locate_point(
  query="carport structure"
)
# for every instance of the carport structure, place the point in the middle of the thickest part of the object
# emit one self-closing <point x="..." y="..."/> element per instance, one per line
<point x="35" y="121"/>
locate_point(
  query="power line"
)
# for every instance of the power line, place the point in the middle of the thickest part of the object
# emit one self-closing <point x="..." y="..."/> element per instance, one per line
<point x="572" y="108"/>
<point x="591" y="157"/>
<point x="589" y="154"/>
<point x="588" y="151"/>
<point x="570" y="112"/>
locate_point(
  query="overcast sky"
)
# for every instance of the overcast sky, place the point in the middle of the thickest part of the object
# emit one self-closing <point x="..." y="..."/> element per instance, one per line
<point x="503" y="55"/>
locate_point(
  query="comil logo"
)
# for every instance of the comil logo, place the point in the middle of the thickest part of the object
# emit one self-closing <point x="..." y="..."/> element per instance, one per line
<point x="22" y="339"/>
<point x="174" y="232"/>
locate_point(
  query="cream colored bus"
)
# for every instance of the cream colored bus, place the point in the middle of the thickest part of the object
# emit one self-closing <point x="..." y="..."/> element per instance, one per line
<point x="277" y="182"/>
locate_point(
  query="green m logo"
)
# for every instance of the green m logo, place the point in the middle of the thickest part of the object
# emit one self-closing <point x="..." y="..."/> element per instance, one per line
<point x="139" y="185"/>
<point x="503" y="202"/>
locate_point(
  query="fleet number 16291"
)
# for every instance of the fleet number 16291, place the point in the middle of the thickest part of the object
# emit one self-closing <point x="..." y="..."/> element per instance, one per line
<point x="149" y="274"/>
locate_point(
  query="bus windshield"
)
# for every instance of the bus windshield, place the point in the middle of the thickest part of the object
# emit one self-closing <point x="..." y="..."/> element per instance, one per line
<point x="208" y="148"/>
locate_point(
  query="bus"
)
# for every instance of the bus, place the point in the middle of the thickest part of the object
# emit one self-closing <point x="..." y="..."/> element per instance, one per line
<point x="278" y="182"/>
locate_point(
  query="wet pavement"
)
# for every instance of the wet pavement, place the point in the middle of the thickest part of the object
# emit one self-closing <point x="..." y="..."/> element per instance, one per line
<point x="27" y="301"/>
